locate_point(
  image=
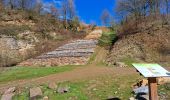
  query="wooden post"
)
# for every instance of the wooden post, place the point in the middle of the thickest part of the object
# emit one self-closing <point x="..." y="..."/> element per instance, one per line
<point x="153" y="90"/>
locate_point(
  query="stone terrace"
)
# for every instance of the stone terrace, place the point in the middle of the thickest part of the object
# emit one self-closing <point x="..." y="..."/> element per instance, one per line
<point x="74" y="53"/>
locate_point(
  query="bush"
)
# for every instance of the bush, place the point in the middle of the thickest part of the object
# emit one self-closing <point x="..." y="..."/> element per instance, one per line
<point x="107" y="39"/>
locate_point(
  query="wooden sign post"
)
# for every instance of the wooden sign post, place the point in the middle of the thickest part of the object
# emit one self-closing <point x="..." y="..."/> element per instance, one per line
<point x="153" y="94"/>
<point x="152" y="71"/>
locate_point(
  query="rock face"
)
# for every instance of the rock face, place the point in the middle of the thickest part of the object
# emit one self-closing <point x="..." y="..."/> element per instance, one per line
<point x="13" y="51"/>
<point x="75" y="53"/>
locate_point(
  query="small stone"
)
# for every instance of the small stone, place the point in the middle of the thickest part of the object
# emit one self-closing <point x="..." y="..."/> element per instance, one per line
<point x="120" y="64"/>
<point x="94" y="89"/>
<point x="132" y="98"/>
<point x="52" y="86"/>
<point x="10" y="90"/>
<point x="63" y="89"/>
<point x="116" y="92"/>
<point x="35" y="93"/>
<point x="110" y="97"/>
<point x="7" y="96"/>
<point x="45" y="98"/>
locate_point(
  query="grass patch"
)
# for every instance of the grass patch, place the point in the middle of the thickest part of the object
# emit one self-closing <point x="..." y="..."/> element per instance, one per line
<point x="164" y="91"/>
<point x="98" y="57"/>
<point x="23" y="96"/>
<point x="75" y="92"/>
<point x="129" y="61"/>
<point x="117" y="87"/>
<point x="107" y="39"/>
<point x="99" y="88"/>
<point x="17" y="73"/>
<point x="92" y="58"/>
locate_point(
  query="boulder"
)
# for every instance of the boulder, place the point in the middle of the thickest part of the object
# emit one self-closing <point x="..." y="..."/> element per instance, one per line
<point x="10" y="90"/>
<point x="52" y="85"/>
<point x="35" y="93"/>
<point x="7" y="96"/>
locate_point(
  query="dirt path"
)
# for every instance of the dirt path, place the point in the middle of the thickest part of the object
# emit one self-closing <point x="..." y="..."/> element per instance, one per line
<point x="76" y="74"/>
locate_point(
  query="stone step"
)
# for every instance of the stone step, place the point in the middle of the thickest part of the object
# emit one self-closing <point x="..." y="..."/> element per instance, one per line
<point x="76" y="52"/>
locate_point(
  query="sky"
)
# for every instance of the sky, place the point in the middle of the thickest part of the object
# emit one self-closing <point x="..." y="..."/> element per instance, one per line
<point x="89" y="11"/>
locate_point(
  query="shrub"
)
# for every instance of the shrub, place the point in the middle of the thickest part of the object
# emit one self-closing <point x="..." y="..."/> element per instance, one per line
<point x="107" y="39"/>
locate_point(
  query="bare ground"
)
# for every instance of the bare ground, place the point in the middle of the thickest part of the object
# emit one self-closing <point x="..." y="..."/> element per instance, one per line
<point x="91" y="71"/>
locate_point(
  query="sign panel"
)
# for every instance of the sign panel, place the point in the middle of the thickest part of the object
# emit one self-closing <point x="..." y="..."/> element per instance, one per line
<point x="151" y="70"/>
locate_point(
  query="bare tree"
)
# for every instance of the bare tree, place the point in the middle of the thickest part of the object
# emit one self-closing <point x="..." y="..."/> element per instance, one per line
<point x="106" y="17"/>
<point x="38" y="6"/>
<point x="54" y="11"/>
<point x="64" y="8"/>
<point x="71" y="9"/>
<point x="133" y="8"/>
<point x="167" y="5"/>
<point x="68" y="11"/>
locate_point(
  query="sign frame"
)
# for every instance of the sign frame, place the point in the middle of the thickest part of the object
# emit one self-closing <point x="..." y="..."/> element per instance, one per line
<point x="152" y="72"/>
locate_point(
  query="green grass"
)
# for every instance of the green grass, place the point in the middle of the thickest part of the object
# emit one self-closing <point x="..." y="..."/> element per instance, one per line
<point x="129" y="61"/>
<point x="23" y="96"/>
<point x="75" y="92"/>
<point x="107" y="39"/>
<point x="99" y="88"/>
<point x="165" y="90"/>
<point x="92" y="58"/>
<point x="17" y="73"/>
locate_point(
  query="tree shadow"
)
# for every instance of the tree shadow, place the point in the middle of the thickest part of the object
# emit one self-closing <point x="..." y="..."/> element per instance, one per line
<point x="139" y="96"/>
<point x="113" y="99"/>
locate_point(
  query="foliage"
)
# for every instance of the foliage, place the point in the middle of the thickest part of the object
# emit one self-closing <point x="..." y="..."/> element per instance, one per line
<point x="107" y="39"/>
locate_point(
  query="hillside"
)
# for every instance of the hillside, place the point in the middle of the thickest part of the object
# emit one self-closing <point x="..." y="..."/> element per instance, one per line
<point x="26" y="34"/>
<point x="150" y="43"/>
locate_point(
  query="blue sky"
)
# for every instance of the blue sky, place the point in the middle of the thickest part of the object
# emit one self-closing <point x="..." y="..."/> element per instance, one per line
<point x="90" y="10"/>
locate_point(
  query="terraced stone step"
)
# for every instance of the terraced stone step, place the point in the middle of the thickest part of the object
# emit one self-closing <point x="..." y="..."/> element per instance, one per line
<point x="74" y="53"/>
